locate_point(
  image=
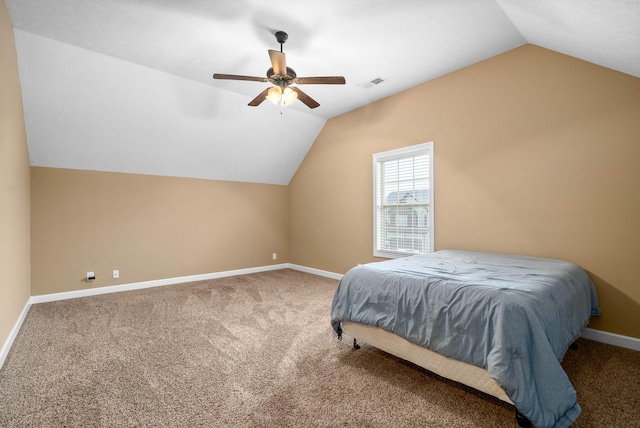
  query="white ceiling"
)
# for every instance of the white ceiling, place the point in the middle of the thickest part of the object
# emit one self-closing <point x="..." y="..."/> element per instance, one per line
<point x="126" y="86"/>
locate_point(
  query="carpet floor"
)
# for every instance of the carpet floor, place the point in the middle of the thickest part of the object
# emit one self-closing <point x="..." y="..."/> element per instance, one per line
<point x="254" y="351"/>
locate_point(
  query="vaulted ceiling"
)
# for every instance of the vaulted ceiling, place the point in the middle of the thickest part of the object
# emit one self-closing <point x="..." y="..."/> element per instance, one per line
<point x="126" y="86"/>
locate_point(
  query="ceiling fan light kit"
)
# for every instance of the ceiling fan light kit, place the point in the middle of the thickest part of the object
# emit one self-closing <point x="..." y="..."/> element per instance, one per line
<point x="282" y="77"/>
<point x="285" y="96"/>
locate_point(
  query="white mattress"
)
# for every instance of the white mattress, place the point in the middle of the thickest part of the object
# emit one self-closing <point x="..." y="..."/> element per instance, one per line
<point x="449" y="368"/>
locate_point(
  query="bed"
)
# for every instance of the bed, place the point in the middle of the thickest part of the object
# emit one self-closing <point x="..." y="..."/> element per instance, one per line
<point x="498" y="323"/>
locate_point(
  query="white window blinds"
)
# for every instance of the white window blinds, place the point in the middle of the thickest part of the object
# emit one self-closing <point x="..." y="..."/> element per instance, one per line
<point x="403" y="201"/>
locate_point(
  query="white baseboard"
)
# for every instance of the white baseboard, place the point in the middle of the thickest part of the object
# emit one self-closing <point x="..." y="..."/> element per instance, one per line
<point x="42" y="298"/>
<point x="314" y="271"/>
<point x="612" y="338"/>
<point x="14" y="332"/>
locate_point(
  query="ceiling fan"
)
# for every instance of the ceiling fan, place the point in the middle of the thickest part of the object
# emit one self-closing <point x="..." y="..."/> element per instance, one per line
<point x="282" y="77"/>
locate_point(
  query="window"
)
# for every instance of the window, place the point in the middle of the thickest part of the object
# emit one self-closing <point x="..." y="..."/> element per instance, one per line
<point x="403" y="201"/>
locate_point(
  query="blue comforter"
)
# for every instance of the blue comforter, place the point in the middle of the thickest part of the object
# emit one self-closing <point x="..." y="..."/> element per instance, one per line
<point x="515" y="316"/>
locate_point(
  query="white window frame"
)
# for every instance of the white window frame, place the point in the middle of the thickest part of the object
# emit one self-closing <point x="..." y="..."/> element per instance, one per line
<point x="378" y="159"/>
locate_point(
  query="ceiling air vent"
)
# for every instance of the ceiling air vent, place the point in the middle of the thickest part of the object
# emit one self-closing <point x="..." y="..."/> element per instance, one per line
<point x="378" y="80"/>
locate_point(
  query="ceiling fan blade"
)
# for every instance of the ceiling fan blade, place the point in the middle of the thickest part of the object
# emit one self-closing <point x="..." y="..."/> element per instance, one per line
<point x="326" y="80"/>
<point x="278" y="61"/>
<point x="237" y="77"/>
<point x="306" y="99"/>
<point x="259" y="99"/>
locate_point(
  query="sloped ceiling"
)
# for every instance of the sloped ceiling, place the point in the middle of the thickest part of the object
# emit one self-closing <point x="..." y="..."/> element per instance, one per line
<point x="126" y="86"/>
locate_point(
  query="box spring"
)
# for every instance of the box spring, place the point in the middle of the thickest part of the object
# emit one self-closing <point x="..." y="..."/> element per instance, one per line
<point x="449" y="368"/>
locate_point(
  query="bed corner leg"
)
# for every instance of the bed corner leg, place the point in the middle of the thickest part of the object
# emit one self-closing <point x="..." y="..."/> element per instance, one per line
<point x="522" y="420"/>
<point x="573" y="346"/>
<point x="355" y="344"/>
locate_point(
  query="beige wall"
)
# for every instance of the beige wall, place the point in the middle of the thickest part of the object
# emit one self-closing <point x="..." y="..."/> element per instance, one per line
<point x="148" y="227"/>
<point x="14" y="186"/>
<point x="536" y="153"/>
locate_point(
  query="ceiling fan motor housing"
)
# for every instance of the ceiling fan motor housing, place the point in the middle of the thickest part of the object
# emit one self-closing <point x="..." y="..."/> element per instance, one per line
<point x="281" y="80"/>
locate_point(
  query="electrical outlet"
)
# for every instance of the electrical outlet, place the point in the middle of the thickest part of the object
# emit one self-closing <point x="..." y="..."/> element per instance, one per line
<point x="91" y="276"/>
<point x="275" y="256"/>
<point x="116" y="273"/>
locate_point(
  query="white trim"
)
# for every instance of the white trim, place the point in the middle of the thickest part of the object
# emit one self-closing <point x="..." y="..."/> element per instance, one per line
<point x="403" y="152"/>
<point x="6" y="347"/>
<point x="314" y="271"/>
<point x="612" y="338"/>
<point x="148" y="284"/>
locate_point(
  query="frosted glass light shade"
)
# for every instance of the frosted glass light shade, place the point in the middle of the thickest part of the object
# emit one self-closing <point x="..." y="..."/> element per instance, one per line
<point x="274" y="94"/>
<point x="279" y="96"/>
<point x="288" y="96"/>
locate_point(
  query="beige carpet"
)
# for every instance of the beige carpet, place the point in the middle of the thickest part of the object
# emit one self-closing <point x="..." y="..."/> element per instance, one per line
<point x="253" y="351"/>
